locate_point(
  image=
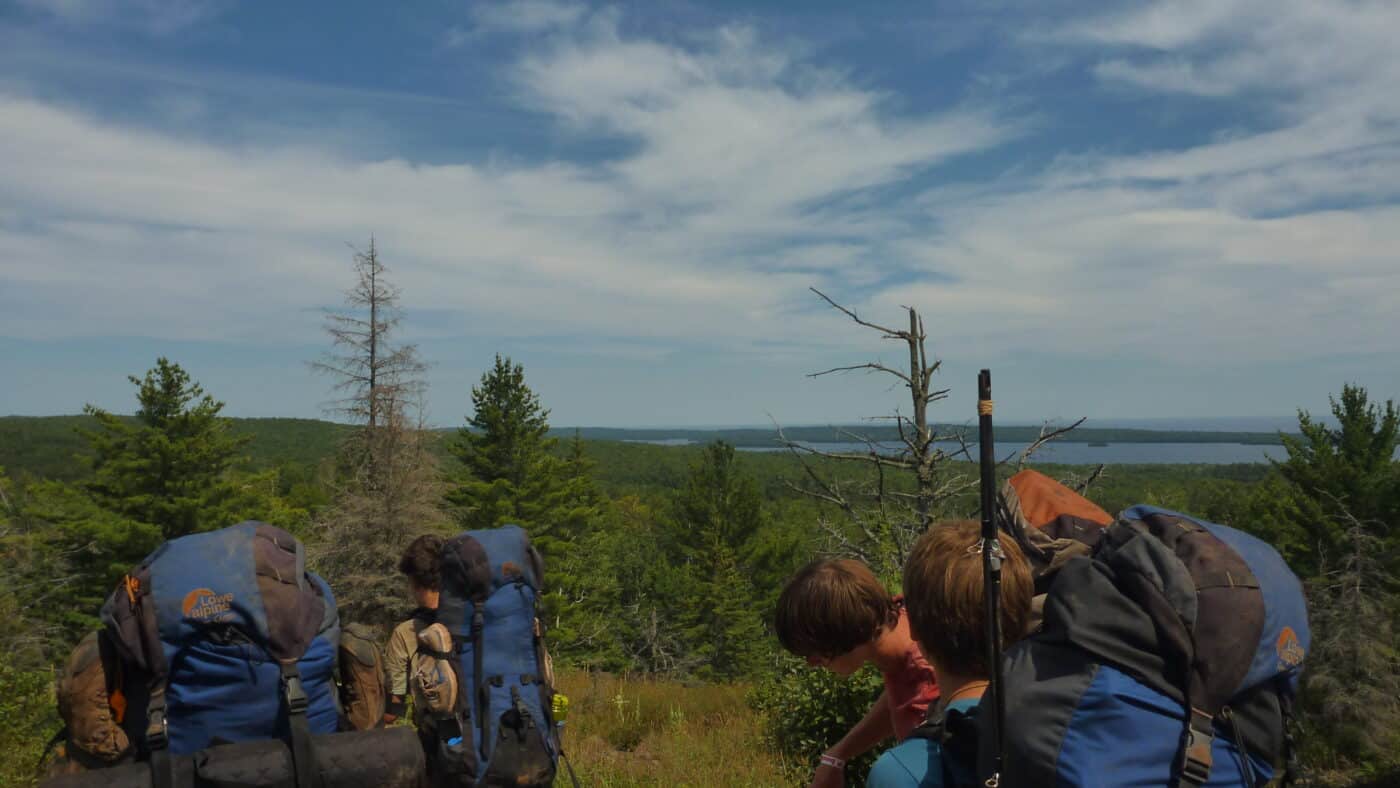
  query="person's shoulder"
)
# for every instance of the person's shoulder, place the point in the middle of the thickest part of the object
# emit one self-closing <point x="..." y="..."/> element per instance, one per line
<point x="914" y="763"/>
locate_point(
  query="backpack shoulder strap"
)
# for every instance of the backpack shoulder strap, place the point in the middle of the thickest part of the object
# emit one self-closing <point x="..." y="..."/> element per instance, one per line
<point x="955" y="731"/>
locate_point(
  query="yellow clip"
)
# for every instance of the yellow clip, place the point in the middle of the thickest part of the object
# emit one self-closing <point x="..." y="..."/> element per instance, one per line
<point x="560" y="707"/>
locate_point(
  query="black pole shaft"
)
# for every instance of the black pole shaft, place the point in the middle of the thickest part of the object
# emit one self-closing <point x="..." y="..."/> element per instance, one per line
<point x="991" y="564"/>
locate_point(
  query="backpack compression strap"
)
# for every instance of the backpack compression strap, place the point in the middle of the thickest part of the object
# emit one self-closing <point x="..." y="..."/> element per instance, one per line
<point x="303" y="751"/>
<point x="158" y="738"/>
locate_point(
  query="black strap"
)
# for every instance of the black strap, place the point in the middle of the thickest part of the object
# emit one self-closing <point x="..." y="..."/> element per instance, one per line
<point x="483" y="701"/>
<point x="303" y="751"/>
<point x="158" y="738"/>
<point x="48" y="748"/>
<point x="1291" y="769"/>
<point x="565" y="758"/>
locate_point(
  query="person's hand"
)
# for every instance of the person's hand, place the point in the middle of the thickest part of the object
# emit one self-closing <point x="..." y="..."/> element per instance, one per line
<point x="828" y="777"/>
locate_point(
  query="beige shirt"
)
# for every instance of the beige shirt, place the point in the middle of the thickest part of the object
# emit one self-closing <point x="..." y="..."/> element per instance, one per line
<point x="403" y="644"/>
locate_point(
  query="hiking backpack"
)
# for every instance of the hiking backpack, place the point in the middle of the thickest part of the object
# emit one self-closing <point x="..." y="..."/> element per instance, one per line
<point x="1168" y="655"/>
<point x="363" y="690"/>
<point x="215" y="637"/>
<point x="498" y="730"/>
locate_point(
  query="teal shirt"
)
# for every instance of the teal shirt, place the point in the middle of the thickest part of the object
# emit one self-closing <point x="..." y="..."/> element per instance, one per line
<point x="913" y="763"/>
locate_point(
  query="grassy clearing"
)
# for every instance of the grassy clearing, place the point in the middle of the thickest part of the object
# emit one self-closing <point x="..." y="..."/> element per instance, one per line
<point x="634" y="732"/>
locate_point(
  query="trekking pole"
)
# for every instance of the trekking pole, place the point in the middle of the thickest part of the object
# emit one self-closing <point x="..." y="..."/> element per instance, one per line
<point x="991" y="569"/>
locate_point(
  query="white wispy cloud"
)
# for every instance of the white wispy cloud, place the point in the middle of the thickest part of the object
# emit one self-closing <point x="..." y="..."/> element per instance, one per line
<point x="744" y="172"/>
<point x="156" y="17"/>
<point x="141" y="231"/>
<point x="525" y="16"/>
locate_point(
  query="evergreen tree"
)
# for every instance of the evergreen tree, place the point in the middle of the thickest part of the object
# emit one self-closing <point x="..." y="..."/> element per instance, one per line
<point x="720" y="505"/>
<point x="511" y="472"/>
<point x="170" y="469"/>
<point x="1351" y="468"/>
<point x="715" y="515"/>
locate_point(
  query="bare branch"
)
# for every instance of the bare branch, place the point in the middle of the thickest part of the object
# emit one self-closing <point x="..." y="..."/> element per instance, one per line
<point x="871" y="367"/>
<point x="889" y="332"/>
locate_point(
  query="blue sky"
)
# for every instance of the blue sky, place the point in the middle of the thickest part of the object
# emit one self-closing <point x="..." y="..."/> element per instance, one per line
<point x="1177" y="210"/>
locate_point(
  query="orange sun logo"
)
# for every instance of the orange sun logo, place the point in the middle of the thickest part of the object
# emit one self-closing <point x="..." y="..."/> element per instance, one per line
<point x="1290" y="651"/>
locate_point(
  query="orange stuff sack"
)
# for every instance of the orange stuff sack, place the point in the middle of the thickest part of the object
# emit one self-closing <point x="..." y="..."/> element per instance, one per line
<point x="1051" y="522"/>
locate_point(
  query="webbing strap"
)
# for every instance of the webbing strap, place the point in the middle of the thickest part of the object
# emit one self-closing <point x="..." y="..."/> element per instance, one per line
<point x="483" y="700"/>
<point x="158" y="738"/>
<point x="572" y="777"/>
<point x="303" y="751"/>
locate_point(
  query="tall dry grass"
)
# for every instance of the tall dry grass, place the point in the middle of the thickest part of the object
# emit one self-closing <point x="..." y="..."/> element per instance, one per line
<point x="641" y="731"/>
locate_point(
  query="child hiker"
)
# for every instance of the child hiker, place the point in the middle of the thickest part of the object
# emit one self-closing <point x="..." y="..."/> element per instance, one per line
<point x="943" y="590"/>
<point x="837" y="615"/>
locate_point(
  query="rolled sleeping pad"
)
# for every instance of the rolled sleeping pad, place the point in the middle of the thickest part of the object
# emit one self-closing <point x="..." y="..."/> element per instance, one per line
<point x="390" y="757"/>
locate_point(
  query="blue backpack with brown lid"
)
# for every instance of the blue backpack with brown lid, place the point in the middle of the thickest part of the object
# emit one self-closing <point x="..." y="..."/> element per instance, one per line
<point x="225" y="636"/>
<point x="500" y="730"/>
<point x="1169" y="656"/>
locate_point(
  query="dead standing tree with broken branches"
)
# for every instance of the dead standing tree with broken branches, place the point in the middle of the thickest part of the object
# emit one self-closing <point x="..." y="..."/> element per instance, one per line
<point x="883" y="515"/>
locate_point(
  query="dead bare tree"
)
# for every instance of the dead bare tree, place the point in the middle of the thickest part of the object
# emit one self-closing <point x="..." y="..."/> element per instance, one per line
<point x="389" y="490"/>
<point x="372" y="373"/>
<point x="911" y="481"/>
<point x="883" y="512"/>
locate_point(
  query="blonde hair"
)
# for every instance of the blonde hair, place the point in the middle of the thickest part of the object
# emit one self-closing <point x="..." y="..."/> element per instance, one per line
<point x="943" y="592"/>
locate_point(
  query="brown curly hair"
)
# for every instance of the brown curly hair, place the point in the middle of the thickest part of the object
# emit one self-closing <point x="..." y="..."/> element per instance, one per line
<point x="422" y="562"/>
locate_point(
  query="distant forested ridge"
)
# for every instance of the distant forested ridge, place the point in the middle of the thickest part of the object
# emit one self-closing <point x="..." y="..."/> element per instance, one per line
<point x="48" y="446"/>
<point x="759" y="437"/>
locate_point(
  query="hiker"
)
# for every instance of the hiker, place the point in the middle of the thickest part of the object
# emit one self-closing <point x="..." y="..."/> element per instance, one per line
<point x="835" y="614"/>
<point x="943" y="584"/>
<point x="421" y="565"/>
<point x="482" y="685"/>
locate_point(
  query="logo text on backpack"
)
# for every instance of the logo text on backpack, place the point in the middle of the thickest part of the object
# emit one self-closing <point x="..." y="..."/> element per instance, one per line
<point x="204" y="605"/>
<point x="1290" y="651"/>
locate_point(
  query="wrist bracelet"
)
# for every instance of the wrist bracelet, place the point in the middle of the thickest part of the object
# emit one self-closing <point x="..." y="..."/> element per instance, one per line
<point x="831" y="760"/>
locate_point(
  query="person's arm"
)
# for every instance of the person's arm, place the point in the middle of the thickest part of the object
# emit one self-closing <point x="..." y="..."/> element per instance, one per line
<point x="863" y="737"/>
<point x="397" y="655"/>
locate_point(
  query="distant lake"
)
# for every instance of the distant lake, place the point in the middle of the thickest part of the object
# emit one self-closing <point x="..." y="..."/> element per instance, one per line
<point x="1067" y="453"/>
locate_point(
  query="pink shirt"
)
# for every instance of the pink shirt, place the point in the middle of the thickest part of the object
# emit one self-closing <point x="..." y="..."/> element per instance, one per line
<point x="910" y="689"/>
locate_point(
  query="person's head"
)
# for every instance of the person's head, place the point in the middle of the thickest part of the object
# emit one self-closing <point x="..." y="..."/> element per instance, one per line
<point x="831" y="611"/>
<point x="421" y="564"/>
<point x="943" y="596"/>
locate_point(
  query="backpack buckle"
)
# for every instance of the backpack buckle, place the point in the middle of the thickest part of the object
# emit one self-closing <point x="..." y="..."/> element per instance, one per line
<point x="293" y="688"/>
<point x="1196" y="760"/>
<point x="157" y="729"/>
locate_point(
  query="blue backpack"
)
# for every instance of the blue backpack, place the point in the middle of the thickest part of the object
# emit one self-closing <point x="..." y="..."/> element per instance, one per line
<point x="225" y="636"/>
<point x="1168" y="657"/>
<point x="500" y="730"/>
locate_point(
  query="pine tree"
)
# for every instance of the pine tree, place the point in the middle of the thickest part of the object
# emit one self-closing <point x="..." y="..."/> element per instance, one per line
<point x="511" y="472"/>
<point x="1351" y="468"/>
<point x="715" y="515"/>
<point x="171" y="468"/>
<point x="719" y="505"/>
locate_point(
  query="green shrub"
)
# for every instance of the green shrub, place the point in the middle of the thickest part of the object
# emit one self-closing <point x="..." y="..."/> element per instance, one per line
<point x="807" y="710"/>
<point x="30" y="718"/>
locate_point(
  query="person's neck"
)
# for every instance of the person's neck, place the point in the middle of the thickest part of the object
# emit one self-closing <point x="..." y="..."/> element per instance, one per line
<point x="891" y="648"/>
<point x="957" y="686"/>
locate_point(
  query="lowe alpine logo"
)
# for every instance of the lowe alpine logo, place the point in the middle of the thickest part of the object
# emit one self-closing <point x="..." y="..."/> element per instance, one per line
<point x="1290" y="651"/>
<point x="204" y="605"/>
